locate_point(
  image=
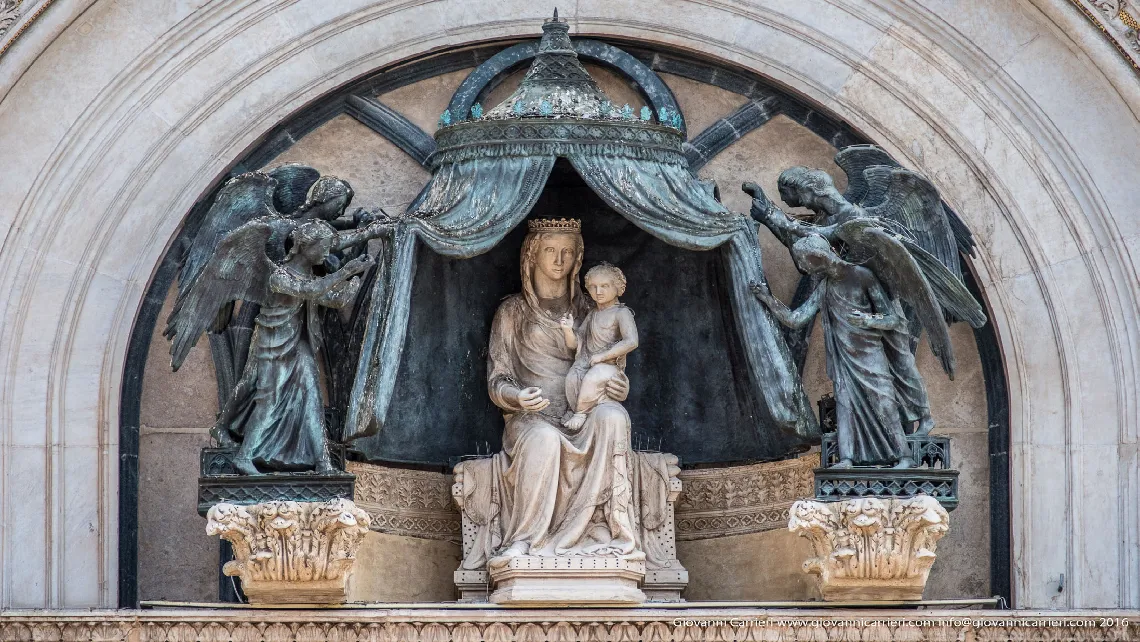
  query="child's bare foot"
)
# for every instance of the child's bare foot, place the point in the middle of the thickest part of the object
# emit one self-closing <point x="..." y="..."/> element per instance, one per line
<point x="575" y="423"/>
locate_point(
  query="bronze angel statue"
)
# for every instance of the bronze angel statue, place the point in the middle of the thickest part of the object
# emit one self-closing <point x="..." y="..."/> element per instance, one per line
<point x="881" y="266"/>
<point x="905" y="207"/>
<point x="248" y="250"/>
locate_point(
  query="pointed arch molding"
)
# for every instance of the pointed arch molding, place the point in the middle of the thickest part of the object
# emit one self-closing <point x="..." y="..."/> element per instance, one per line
<point x="135" y="110"/>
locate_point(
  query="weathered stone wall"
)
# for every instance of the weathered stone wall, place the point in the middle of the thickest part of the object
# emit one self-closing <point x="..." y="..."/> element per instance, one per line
<point x="179" y="407"/>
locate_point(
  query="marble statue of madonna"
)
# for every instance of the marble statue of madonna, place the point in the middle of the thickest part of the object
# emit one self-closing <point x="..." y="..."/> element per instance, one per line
<point x="560" y="492"/>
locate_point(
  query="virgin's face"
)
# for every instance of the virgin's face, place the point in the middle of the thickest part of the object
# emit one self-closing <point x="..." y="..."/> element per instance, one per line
<point x="556" y="256"/>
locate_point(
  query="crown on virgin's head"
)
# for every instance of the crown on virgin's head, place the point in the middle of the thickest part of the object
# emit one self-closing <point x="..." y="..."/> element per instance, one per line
<point x="554" y="225"/>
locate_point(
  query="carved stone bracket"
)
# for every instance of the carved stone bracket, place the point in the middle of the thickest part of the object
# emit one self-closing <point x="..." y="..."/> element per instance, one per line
<point x="871" y="549"/>
<point x="291" y="552"/>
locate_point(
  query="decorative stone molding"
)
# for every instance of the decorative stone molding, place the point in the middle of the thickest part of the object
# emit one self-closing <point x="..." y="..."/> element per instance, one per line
<point x="557" y="581"/>
<point x="718" y="502"/>
<point x="565" y="625"/>
<point x="291" y="552"/>
<point x="871" y="549"/>
<point x="1119" y="20"/>
<point x="9" y="11"/>
<point x="414" y="503"/>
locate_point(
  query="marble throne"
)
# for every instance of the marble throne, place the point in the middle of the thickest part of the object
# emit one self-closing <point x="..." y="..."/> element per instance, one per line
<point x="659" y="578"/>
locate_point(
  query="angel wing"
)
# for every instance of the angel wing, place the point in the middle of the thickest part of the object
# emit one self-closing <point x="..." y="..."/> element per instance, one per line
<point x="893" y="263"/>
<point x="907" y="198"/>
<point x="237" y="270"/>
<point x="293" y="183"/>
<point x="243" y="198"/>
<point x="857" y="159"/>
<point x="957" y="301"/>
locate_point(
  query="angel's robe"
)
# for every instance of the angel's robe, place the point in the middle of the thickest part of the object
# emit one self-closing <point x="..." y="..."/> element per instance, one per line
<point x="877" y="385"/>
<point x="277" y="406"/>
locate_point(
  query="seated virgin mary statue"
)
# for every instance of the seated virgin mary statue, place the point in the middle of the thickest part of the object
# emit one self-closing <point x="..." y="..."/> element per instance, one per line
<point x="554" y="492"/>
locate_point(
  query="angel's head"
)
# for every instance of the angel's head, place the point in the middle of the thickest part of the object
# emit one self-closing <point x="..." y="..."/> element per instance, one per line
<point x="813" y="254"/>
<point x="801" y="186"/>
<point x="312" y="242"/>
<point x="327" y="198"/>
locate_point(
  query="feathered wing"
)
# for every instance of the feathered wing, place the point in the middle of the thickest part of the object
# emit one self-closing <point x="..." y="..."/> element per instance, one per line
<point x="242" y="199"/>
<point x="957" y="301"/>
<point x="854" y="160"/>
<point x="293" y="183"/>
<point x="909" y="200"/>
<point x="892" y="262"/>
<point x="238" y="270"/>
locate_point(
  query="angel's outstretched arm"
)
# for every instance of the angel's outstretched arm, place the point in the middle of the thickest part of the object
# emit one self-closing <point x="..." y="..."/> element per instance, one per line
<point x="367" y="233"/>
<point x="784" y="227"/>
<point x="284" y="281"/>
<point x="794" y="319"/>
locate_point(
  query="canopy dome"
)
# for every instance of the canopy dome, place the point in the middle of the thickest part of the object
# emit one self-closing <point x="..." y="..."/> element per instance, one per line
<point x="559" y="110"/>
<point x="487" y="174"/>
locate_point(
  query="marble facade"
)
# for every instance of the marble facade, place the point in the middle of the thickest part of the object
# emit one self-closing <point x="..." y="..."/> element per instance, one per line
<point x="120" y="115"/>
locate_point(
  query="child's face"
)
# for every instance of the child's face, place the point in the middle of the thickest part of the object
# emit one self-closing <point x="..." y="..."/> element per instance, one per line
<point x="602" y="289"/>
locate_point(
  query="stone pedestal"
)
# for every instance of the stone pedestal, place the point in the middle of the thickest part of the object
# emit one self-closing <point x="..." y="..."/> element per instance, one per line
<point x="291" y="552"/>
<point x="557" y="581"/>
<point x="576" y="579"/>
<point x="871" y="549"/>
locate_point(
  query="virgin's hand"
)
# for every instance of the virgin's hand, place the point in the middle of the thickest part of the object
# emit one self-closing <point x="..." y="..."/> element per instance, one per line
<point x="618" y="387"/>
<point x="860" y="320"/>
<point x="531" y="399"/>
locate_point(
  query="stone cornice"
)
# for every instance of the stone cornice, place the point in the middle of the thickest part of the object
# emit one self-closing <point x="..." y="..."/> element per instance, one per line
<point x="693" y="622"/>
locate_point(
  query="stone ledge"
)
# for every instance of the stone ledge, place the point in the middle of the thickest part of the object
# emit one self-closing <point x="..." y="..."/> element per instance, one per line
<point x="444" y="623"/>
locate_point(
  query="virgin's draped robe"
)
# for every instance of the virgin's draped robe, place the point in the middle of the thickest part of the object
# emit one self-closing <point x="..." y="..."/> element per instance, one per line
<point x="563" y="494"/>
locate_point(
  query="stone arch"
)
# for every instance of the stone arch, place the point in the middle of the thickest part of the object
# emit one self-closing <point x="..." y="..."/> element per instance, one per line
<point x="128" y="116"/>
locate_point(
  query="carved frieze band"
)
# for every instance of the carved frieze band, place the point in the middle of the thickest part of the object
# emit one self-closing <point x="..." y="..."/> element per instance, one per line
<point x="715" y="502"/>
<point x="539" y="625"/>
<point x="414" y="503"/>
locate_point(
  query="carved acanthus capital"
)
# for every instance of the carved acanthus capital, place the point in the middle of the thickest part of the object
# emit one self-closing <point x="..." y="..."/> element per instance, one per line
<point x="871" y="549"/>
<point x="291" y="552"/>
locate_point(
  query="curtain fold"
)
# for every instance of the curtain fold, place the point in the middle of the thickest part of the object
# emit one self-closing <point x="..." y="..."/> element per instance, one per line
<point x="470" y="205"/>
<point x="464" y="211"/>
<point x="666" y="201"/>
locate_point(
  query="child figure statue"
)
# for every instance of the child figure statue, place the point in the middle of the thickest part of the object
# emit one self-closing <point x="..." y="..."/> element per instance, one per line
<point x="606" y="336"/>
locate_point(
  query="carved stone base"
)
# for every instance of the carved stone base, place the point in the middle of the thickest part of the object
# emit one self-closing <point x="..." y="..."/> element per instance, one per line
<point x="474" y="586"/>
<point x="219" y="482"/>
<point x="871" y="549"/>
<point x="291" y="552"/>
<point x="665" y="585"/>
<point x="561" y="581"/>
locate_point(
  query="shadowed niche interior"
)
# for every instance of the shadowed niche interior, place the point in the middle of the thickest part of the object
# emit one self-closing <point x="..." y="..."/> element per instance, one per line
<point x="687" y="395"/>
